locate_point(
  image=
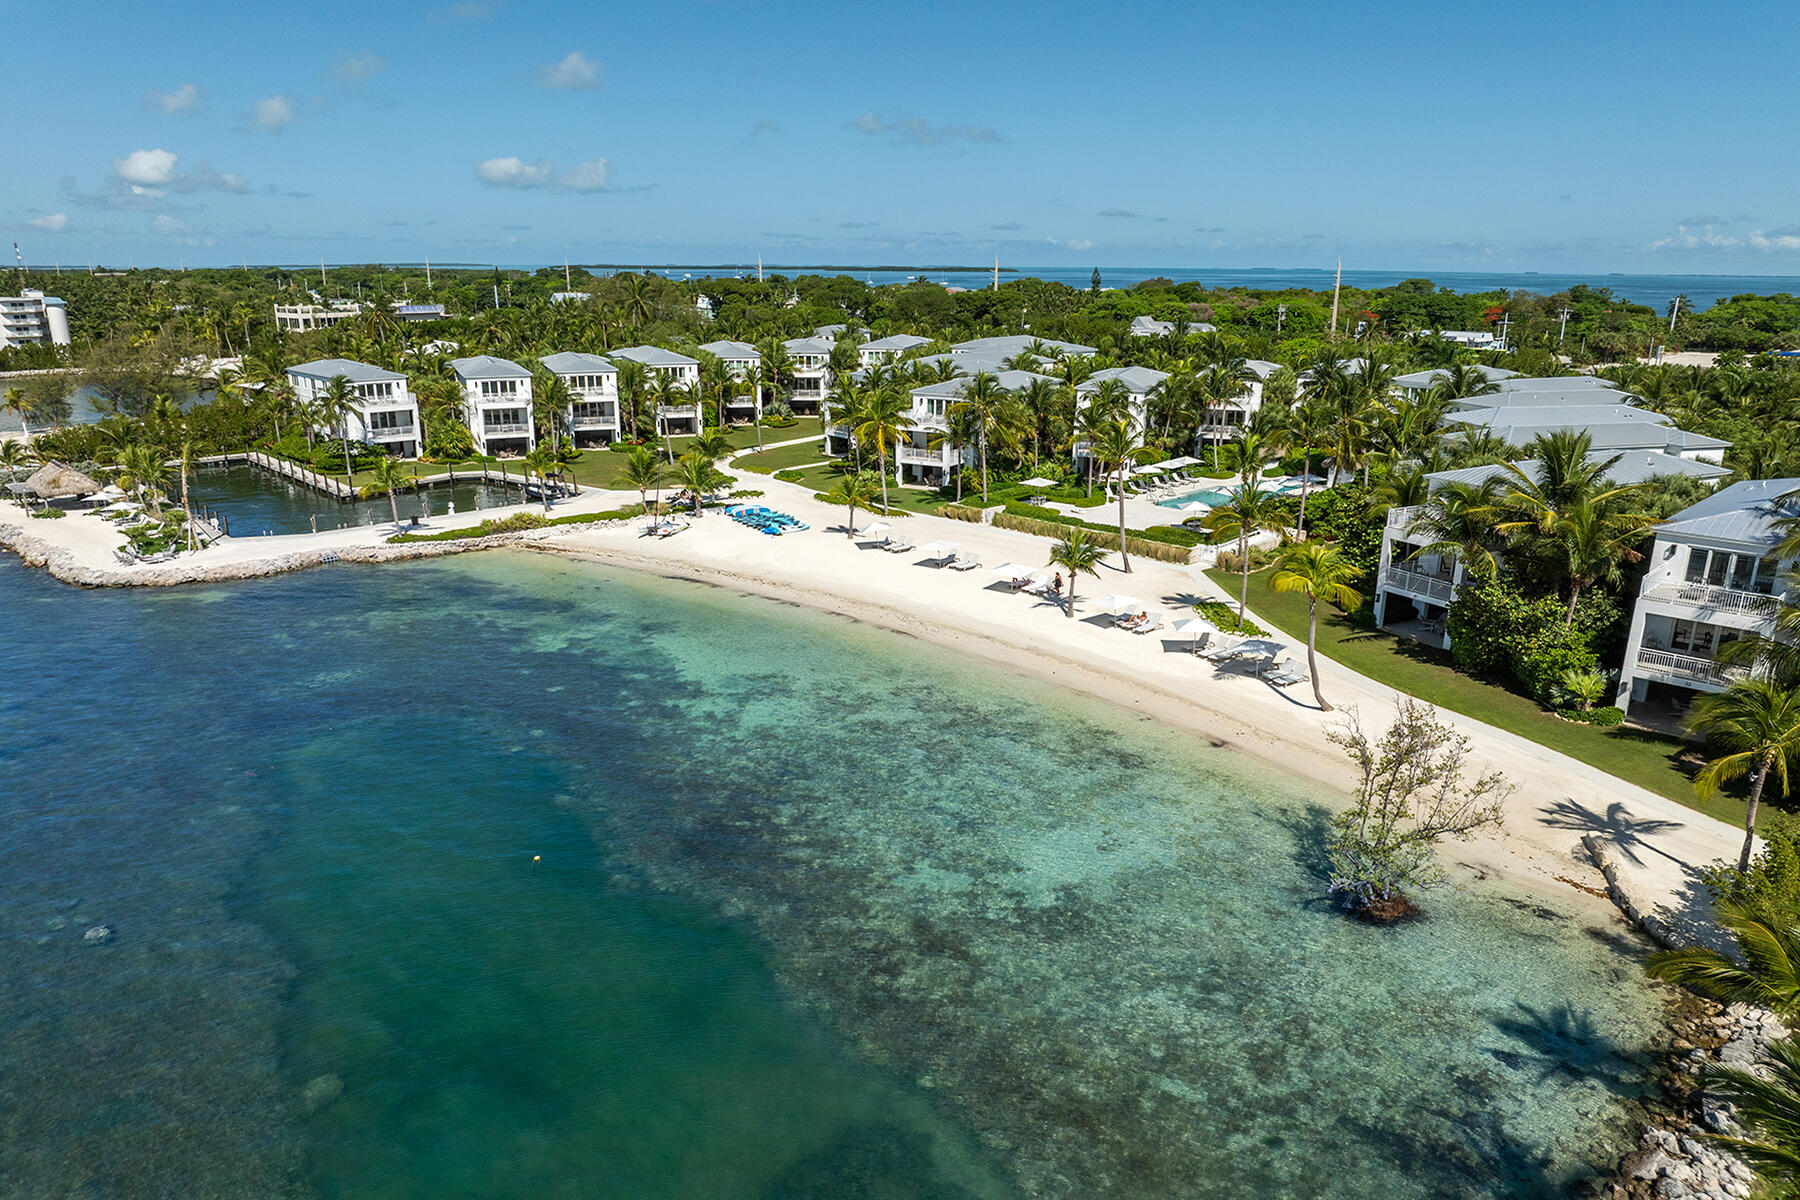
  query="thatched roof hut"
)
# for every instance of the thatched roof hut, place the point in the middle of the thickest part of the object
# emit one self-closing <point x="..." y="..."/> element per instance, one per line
<point x="55" y="481"/>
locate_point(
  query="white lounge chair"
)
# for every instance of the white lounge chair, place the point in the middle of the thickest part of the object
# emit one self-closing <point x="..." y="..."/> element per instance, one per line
<point x="897" y="546"/>
<point x="1150" y="626"/>
<point x="1220" y="653"/>
<point x="964" y="563"/>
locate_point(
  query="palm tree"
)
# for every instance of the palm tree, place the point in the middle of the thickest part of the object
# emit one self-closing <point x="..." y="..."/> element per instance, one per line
<point x="1767" y="1106"/>
<point x="670" y="392"/>
<point x="14" y="454"/>
<point x="1218" y="385"/>
<point x="1756" y="721"/>
<point x="1247" y="455"/>
<point x="1764" y="972"/>
<point x="990" y="404"/>
<point x="1318" y="571"/>
<point x="634" y="384"/>
<point x="1078" y="555"/>
<point x="1594" y="541"/>
<point x="1459" y="519"/>
<point x="335" y="404"/>
<point x="883" y="424"/>
<point x="1459" y="381"/>
<point x="640" y="299"/>
<point x="1247" y="511"/>
<point x="20" y="405"/>
<point x="145" y="470"/>
<point x="1113" y="445"/>
<point x="1039" y="400"/>
<point x="843" y="405"/>
<point x="643" y="471"/>
<point x="698" y="475"/>
<point x="540" y="460"/>
<point x="187" y="468"/>
<point x="391" y="474"/>
<point x="854" y="490"/>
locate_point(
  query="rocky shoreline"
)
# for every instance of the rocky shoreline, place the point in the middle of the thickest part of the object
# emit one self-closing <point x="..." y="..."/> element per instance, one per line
<point x="1672" y="1160"/>
<point x="64" y="565"/>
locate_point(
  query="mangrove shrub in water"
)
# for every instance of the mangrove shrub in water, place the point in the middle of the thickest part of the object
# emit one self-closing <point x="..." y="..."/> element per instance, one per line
<point x="1411" y="797"/>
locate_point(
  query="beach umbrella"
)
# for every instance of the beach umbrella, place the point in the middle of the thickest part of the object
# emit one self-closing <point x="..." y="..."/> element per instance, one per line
<point x="872" y="529"/>
<point x="1038" y="481"/>
<point x="938" y="549"/>
<point x="1195" y="506"/>
<point x="1116" y="602"/>
<point x="1015" y="571"/>
<point x="1193" y="625"/>
<point x="1261" y="646"/>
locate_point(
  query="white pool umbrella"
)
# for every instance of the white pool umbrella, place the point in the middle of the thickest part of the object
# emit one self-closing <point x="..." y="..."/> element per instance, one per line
<point x="938" y="549"/>
<point x="1038" y="481"/>
<point x="1261" y="646"/>
<point x="872" y="529"/>
<point x="1016" y="571"/>
<point x="1195" y="506"/>
<point x="1193" y="625"/>
<point x="1116" y="602"/>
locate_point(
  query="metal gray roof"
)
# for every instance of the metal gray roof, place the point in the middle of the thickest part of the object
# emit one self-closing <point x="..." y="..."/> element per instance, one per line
<point x="1633" y="466"/>
<point x="733" y="350"/>
<point x="1139" y="381"/>
<point x="654" y="356"/>
<point x="1006" y="347"/>
<point x="953" y="389"/>
<point x="1744" y="512"/>
<point x="573" y="362"/>
<point x="1425" y="379"/>
<point x="896" y="342"/>
<point x="1551" y="383"/>
<point x="349" y="368"/>
<point x="809" y="345"/>
<point x="1547" y="397"/>
<point x="486" y="366"/>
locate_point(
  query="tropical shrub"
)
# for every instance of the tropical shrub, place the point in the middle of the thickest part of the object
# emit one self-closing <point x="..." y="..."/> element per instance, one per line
<point x="789" y="476"/>
<point x="1770" y="885"/>
<point x="1160" y="551"/>
<point x="449" y="442"/>
<point x="1604" y="718"/>
<point x="961" y="512"/>
<point x="49" y="514"/>
<point x="1497" y="632"/>
<point x="1225" y="617"/>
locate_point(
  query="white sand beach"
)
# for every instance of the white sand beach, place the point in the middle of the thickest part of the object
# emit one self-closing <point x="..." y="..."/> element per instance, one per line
<point x="1654" y="845"/>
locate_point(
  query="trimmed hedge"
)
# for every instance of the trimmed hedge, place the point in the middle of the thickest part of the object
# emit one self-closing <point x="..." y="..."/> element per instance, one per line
<point x="1605" y="718"/>
<point x="1158" y="551"/>
<point x="961" y="512"/>
<point x="1168" y="534"/>
<point x="1225" y="617"/>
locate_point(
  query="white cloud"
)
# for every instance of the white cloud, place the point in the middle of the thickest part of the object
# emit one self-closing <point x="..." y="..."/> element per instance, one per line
<point x="916" y="131"/>
<point x="354" y="68"/>
<point x="146" y="168"/>
<point x="576" y="72"/>
<point x="50" y="222"/>
<point x="150" y="173"/>
<point x="514" y="172"/>
<point x="273" y="114"/>
<point x="168" y="226"/>
<point x="1081" y="244"/>
<point x="586" y="177"/>
<point x="1708" y="238"/>
<point x="183" y="99"/>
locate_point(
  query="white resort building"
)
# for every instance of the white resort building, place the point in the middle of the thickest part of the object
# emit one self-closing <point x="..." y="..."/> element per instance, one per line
<point x="927" y="457"/>
<point x="889" y="349"/>
<point x="742" y="362"/>
<point x="496" y="403"/>
<point x="303" y="318"/>
<point x="1413" y="589"/>
<point x="593" y="383"/>
<point x="809" y="371"/>
<point x="383" y="412"/>
<point x="1137" y="384"/>
<point x="685" y="371"/>
<point x="1146" y="326"/>
<point x="1712" y="579"/>
<point x="1224" y="422"/>
<point x="32" y="318"/>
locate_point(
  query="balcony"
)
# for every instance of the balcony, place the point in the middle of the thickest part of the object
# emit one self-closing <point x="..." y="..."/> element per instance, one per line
<point x="505" y="430"/>
<point x="589" y="422"/>
<point x="1436" y="588"/>
<point x="678" y="412"/>
<point x="928" y="458"/>
<point x="389" y="433"/>
<point x="1689" y="668"/>
<point x="1403" y="517"/>
<point x="1705" y="597"/>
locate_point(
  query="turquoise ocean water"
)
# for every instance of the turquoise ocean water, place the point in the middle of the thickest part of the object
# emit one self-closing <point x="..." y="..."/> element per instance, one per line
<point x="509" y="877"/>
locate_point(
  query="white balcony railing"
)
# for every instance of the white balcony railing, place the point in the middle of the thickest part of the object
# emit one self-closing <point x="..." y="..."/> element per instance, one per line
<point x="1403" y="516"/>
<point x="387" y="433"/>
<point x="1418" y="583"/>
<point x="678" y="411"/>
<point x="1715" y="599"/>
<point x="597" y="422"/>
<point x="1689" y="668"/>
<point x="503" y="430"/>
<point x="932" y="458"/>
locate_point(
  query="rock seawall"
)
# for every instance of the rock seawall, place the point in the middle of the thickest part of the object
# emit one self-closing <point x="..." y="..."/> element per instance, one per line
<point x="69" y="567"/>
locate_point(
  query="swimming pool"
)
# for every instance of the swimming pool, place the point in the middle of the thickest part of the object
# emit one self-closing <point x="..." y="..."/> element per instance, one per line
<point x="1211" y="497"/>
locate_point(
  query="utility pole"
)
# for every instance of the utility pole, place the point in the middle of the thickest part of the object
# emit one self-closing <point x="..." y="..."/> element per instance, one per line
<point x="1280" y="319"/>
<point x="1505" y="323"/>
<point x="759" y="275"/>
<point x="21" y="257"/>
<point x="996" y="272"/>
<point x="566" y="283"/>
<point x="323" y="286"/>
<point x="1335" y="288"/>
<point x="428" y="275"/>
<point x="1674" y="311"/>
<point x="1563" y="328"/>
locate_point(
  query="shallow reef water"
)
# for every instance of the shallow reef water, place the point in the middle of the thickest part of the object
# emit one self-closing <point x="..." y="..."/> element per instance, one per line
<point x="507" y="876"/>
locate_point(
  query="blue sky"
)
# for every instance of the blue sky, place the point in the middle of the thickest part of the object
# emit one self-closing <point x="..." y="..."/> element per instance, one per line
<point x="1605" y="136"/>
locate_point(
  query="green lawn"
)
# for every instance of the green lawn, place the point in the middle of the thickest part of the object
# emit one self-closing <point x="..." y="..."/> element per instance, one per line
<point x="1647" y="760"/>
<point x="825" y="477"/>
<point x="768" y="462"/>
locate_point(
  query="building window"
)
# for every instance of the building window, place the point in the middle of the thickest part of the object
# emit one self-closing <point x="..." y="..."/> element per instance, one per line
<point x="1696" y="565"/>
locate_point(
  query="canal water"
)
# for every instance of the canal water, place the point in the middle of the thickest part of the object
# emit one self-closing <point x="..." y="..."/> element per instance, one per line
<point x="255" y="503"/>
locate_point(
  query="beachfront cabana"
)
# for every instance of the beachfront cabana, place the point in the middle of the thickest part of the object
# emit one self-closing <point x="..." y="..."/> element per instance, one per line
<point x="57" y="481"/>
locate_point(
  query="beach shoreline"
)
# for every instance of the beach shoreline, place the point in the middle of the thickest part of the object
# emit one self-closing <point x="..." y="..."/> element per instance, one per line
<point x="1651" y="848"/>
